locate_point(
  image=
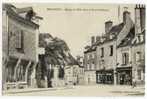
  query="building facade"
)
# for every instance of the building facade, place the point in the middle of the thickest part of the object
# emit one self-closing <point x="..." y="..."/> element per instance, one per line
<point x="119" y="52"/>
<point x="124" y="60"/>
<point x="80" y="61"/>
<point x="20" y="46"/>
<point x="90" y="63"/>
<point x="71" y="74"/>
<point x="138" y="46"/>
<point x="106" y="62"/>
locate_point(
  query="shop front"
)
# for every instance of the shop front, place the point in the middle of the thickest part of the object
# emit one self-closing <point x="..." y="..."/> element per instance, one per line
<point x="104" y="77"/>
<point x="124" y="75"/>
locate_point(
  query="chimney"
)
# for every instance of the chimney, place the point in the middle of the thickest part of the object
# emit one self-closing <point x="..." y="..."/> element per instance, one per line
<point x="92" y="40"/>
<point x="108" y="26"/>
<point x="139" y="18"/>
<point x="98" y="38"/>
<point x="126" y="16"/>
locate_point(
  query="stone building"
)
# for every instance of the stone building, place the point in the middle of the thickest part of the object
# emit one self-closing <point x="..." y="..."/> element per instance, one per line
<point x="80" y="61"/>
<point x="113" y="53"/>
<point x="20" y="42"/>
<point x="107" y="49"/>
<point x="90" y="63"/>
<point x="138" y="46"/>
<point x="71" y="74"/>
<point x="131" y="51"/>
<point x="124" y="59"/>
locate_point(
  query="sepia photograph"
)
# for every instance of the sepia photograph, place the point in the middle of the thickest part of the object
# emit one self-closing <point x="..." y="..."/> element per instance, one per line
<point x="73" y="49"/>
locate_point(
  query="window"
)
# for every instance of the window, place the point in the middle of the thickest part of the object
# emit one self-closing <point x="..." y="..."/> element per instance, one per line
<point x="88" y="66"/>
<point x="19" y="45"/>
<point x="88" y="57"/>
<point x="138" y="56"/>
<point x="93" y="56"/>
<point x="139" y="38"/>
<point x="92" y="66"/>
<point x="111" y="50"/>
<point x="125" y="57"/>
<point x="102" y="52"/>
<point x="139" y="74"/>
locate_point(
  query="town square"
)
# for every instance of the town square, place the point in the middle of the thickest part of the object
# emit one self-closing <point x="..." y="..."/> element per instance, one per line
<point x="73" y="49"/>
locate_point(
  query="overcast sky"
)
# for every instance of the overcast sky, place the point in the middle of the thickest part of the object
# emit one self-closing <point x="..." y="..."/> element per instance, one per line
<point x="77" y="27"/>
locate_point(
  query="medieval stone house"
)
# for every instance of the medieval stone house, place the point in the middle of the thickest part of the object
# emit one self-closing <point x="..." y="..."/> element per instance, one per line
<point x="20" y="43"/>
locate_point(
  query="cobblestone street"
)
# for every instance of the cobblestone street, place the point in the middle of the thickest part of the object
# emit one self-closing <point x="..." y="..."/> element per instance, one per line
<point x="91" y="90"/>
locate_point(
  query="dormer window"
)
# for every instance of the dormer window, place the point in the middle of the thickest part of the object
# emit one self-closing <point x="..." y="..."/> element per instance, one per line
<point x="140" y="38"/>
<point x="138" y="56"/>
<point x="111" y="36"/>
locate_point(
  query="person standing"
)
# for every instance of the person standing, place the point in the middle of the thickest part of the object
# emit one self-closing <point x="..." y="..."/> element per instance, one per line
<point x="133" y="83"/>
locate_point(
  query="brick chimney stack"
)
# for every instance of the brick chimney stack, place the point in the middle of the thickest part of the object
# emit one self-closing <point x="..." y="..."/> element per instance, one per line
<point x="139" y="18"/>
<point x="98" y="38"/>
<point x="126" y="16"/>
<point x="92" y="40"/>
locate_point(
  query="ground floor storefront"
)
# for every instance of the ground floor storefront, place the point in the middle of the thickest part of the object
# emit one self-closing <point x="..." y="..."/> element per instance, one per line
<point x="104" y="77"/>
<point x="124" y="75"/>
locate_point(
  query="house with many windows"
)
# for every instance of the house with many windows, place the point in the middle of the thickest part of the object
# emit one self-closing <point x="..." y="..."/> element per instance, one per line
<point x="119" y="52"/>
<point x="138" y="46"/>
<point x="131" y="50"/>
<point x="107" y="50"/>
<point x="90" y="62"/>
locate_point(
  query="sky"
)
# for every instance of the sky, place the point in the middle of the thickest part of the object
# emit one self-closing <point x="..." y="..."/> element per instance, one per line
<point x="76" y="27"/>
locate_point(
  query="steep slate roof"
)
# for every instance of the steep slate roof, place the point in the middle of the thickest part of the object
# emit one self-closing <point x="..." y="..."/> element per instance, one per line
<point x="12" y="12"/>
<point x="114" y="30"/>
<point x="23" y="10"/>
<point x="128" y="39"/>
<point x="91" y="48"/>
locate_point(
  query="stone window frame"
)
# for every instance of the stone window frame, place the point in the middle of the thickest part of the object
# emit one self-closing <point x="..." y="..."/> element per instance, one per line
<point x="125" y="58"/>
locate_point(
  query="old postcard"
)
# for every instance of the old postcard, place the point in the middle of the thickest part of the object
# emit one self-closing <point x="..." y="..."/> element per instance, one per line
<point x="57" y="49"/>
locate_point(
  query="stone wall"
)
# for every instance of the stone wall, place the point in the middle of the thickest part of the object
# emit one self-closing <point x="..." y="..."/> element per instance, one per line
<point x="138" y="65"/>
<point x="109" y="61"/>
<point x="30" y="42"/>
<point x="90" y="77"/>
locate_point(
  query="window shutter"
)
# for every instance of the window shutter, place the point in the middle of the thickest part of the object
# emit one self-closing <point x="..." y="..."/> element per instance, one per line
<point x="17" y="40"/>
<point x="22" y="39"/>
